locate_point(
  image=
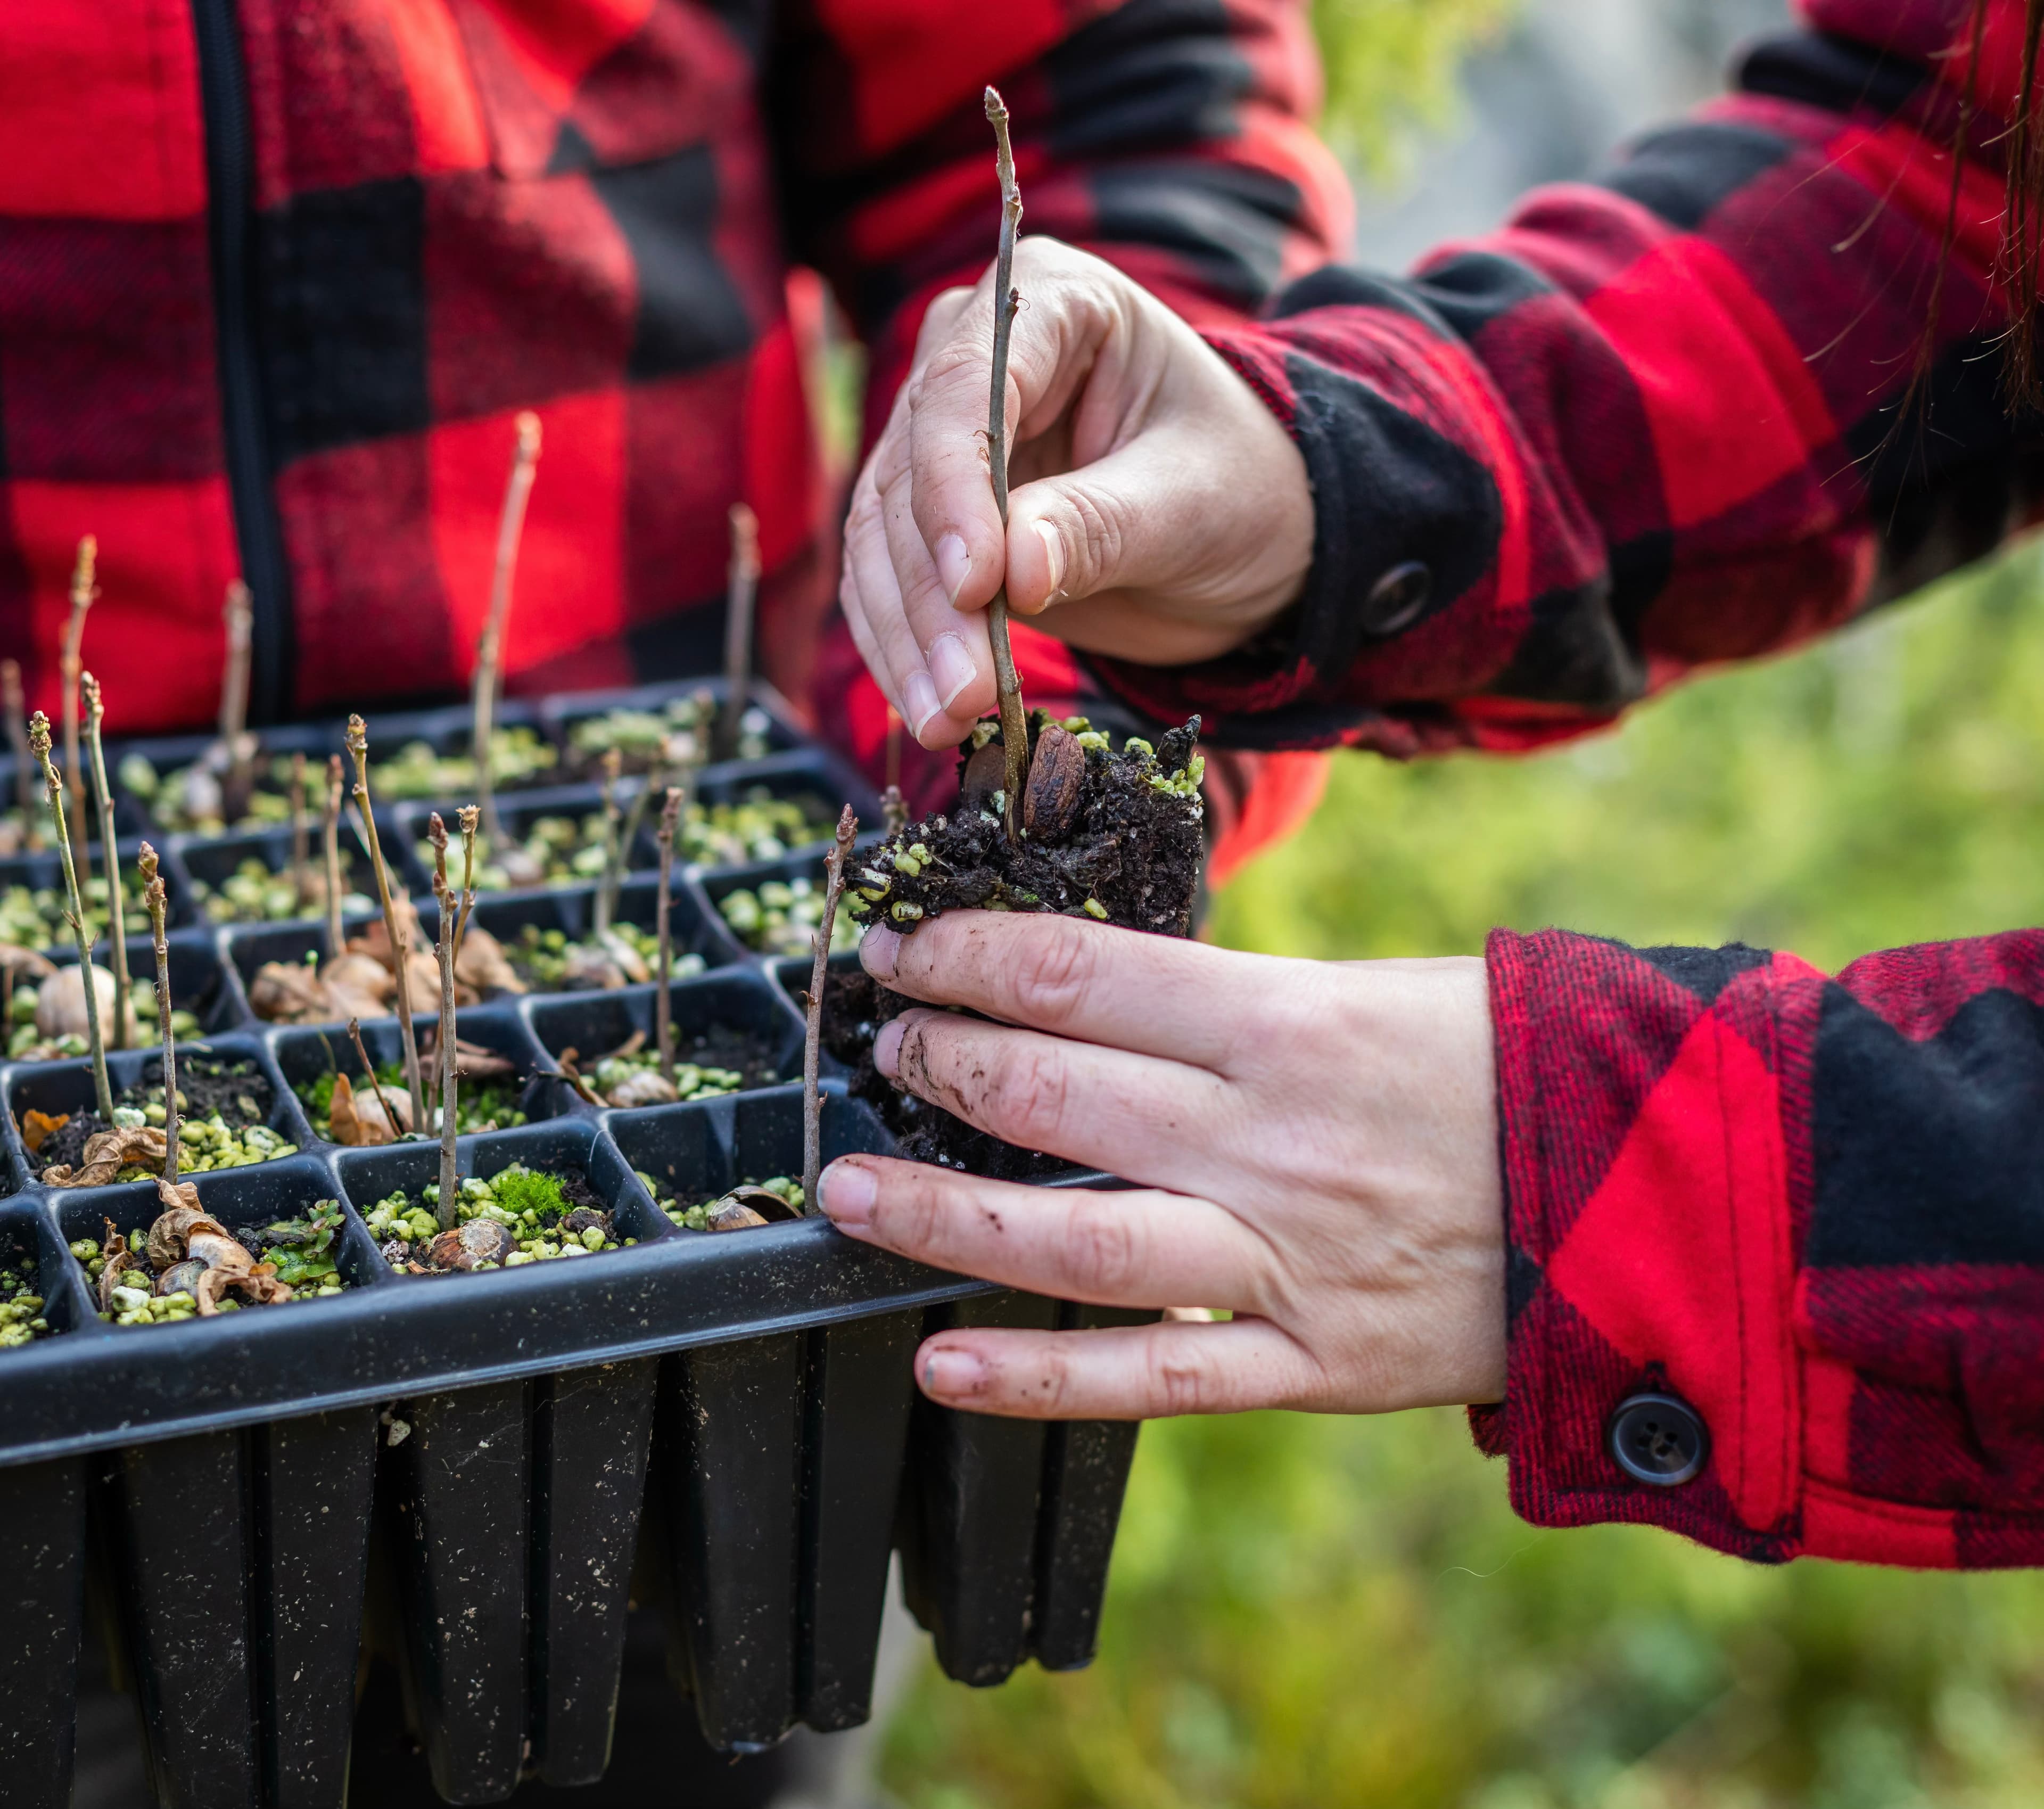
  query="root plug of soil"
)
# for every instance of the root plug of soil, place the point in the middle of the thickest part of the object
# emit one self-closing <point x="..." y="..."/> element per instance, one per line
<point x="21" y="1320"/>
<point x="518" y="1216"/>
<point x="1114" y="836"/>
<point x="746" y="1207"/>
<point x="549" y="961"/>
<point x="223" y="1106"/>
<point x="185" y="1265"/>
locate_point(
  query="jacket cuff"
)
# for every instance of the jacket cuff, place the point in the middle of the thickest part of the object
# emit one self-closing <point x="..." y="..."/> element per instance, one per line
<point x="1647" y="1201"/>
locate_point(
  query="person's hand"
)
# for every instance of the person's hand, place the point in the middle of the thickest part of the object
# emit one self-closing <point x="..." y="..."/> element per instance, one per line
<point x="1325" y="1134"/>
<point x="1156" y="502"/>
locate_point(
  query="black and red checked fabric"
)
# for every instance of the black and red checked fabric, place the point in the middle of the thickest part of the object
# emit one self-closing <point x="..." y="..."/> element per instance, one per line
<point x="458" y="208"/>
<point x="1813" y="1208"/>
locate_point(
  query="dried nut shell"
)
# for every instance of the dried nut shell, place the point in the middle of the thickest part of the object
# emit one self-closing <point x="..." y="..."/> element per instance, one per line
<point x="60" y="1002"/>
<point x="986" y="772"/>
<point x="181" y="1278"/>
<point x="643" y="1087"/>
<point x="732" y="1217"/>
<point x="482" y="964"/>
<point x="480" y="1240"/>
<point x="1050" y="801"/>
<point x="769" y="1205"/>
<point x="593" y="970"/>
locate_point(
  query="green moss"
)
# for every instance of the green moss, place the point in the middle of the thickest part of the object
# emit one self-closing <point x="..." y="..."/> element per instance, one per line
<point x="521" y="1191"/>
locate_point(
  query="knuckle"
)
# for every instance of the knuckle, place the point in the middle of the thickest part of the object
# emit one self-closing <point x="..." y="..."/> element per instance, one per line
<point x="1100" y="534"/>
<point x="1102" y="1247"/>
<point x="1052" y="970"/>
<point x="1180" y="1383"/>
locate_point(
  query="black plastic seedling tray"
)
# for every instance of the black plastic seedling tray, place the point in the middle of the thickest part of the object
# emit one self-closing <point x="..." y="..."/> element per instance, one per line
<point x="737" y="1410"/>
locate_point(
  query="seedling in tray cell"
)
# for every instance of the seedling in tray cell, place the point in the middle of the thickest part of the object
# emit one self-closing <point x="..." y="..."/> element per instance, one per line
<point x="676" y="735"/>
<point x="487" y="1099"/>
<point x="21" y="1320"/>
<point x="224" y="1102"/>
<point x="33" y="917"/>
<point x="550" y="960"/>
<point x="778" y="917"/>
<point x="254" y="892"/>
<point x="186" y="1265"/>
<point x="45" y="1007"/>
<point x="518" y="1216"/>
<point x="745" y="1207"/>
<point x="555" y="849"/>
<point x="631" y="1076"/>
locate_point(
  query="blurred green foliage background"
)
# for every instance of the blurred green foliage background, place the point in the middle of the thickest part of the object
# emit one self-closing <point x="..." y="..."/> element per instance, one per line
<point x="1308" y="1613"/>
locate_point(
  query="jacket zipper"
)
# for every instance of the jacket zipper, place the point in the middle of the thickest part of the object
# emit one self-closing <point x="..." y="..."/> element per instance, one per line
<point x="224" y="96"/>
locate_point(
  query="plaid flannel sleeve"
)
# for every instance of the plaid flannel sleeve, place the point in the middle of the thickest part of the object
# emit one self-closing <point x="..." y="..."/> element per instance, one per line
<point x="1809" y="1210"/>
<point x="1654" y="421"/>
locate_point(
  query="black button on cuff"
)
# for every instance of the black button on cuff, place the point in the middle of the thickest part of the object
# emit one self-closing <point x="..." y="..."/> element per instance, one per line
<point x="1658" y="1439"/>
<point x="1397" y="599"/>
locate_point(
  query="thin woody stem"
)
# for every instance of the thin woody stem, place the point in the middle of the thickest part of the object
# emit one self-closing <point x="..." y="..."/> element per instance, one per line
<point x="401" y="942"/>
<point x="153" y="902"/>
<point x="1014" y="723"/>
<point x="663" y="1011"/>
<point x="444" y="951"/>
<point x="240" y="614"/>
<point x="39" y="744"/>
<point x="335" y="937"/>
<point x="71" y="664"/>
<point x="117" y="928"/>
<point x="740" y="598"/>
<point x="489" y="648"/>
<point x="15" y="702"/>
<point x="302" y="876"/>
<point x="467" y="816"/>
<point x="604" y="892"/>
<point x="628" y="837"/>
<point x="812" y="1037"/>
<point x="369" y="1072"/>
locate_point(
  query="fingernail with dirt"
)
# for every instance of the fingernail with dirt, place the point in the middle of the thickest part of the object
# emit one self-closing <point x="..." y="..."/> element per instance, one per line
<point x="878" y="950"/>
<point x="848" y="1193"/>
<point x="887" y="1049"/>
<point x="954" y="564"/>
<point x="1054" y="552"/>
<point x="918" y="703"/>
<point x="952" y="1375"/>
<point x="951" y="667"/>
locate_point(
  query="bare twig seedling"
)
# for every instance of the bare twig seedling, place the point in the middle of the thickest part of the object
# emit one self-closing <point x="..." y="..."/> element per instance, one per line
<point x="383" y="1099"/>
<point x="336" y="940"/>
<point x="663" y="1011"/>
<point x="489" y="648"/>
<point x="154" y="902"/>
<point x="740" y="599"/>
<point x="237" y="747"/>
<point x="71" y="663"/>
<point x="393" y="920"/>
<point x="444" y="953"/>
<point x="813" y="1112"/>
<point x="1014" y="723"/>
<point x="39" y="744"/>
<point x="606" y="887"/>
<point x="15" y="702"/>
<point x="117" y="928"/>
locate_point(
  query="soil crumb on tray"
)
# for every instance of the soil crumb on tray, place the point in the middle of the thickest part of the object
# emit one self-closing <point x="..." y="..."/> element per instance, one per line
<point x="223" y="1105"/>
<point x="517" y="1216"/>
<point x="1114" y="836"/>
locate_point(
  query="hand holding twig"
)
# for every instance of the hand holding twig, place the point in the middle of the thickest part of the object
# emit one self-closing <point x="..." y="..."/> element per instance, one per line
<point x="1014" y="722"/>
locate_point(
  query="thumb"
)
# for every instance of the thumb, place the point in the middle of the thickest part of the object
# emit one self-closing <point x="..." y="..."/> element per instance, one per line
<point x="1119" y="524"/>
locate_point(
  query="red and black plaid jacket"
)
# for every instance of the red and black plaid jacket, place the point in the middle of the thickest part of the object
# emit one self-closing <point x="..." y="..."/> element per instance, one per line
<point x="1653" y="423"/>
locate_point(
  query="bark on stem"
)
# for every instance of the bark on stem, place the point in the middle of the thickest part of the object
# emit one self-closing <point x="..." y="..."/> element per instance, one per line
<point x="401" y="941"/>
<point x="489" y="648"/>
<point x="39" y="744"/>
<point x="444" y="953"/>
<point x="154" y="902"/>
<point x="1014" y="722"/>
<point x="812" y="1037"/>
<point x="335" y="936"/>
<point x="238" y="780"/>
<point x="117" y="926"/>
<point x="739" y="599"/>
<point x="15" y="703"/>
<point x="663" y="1009"/>
<point x="369" y="1074"/>
<point x="71" y="664"/>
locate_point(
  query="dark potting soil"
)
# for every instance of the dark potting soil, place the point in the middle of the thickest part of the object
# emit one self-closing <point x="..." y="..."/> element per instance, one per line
<point x="226" y="1088"/>
<point x="1112" y="835"/>
<point x="743" y="1051"/>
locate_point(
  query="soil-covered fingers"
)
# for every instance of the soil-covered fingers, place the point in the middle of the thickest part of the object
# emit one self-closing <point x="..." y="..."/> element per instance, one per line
<point x="1145" y="1117"/>
<point x="1121" y="1373"/>
<point x="1154" y="994"/>
<point x="1133" y="1249"/>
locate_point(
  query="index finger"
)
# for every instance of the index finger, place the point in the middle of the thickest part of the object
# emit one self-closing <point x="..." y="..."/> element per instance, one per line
<point x="1153" y="995"/>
